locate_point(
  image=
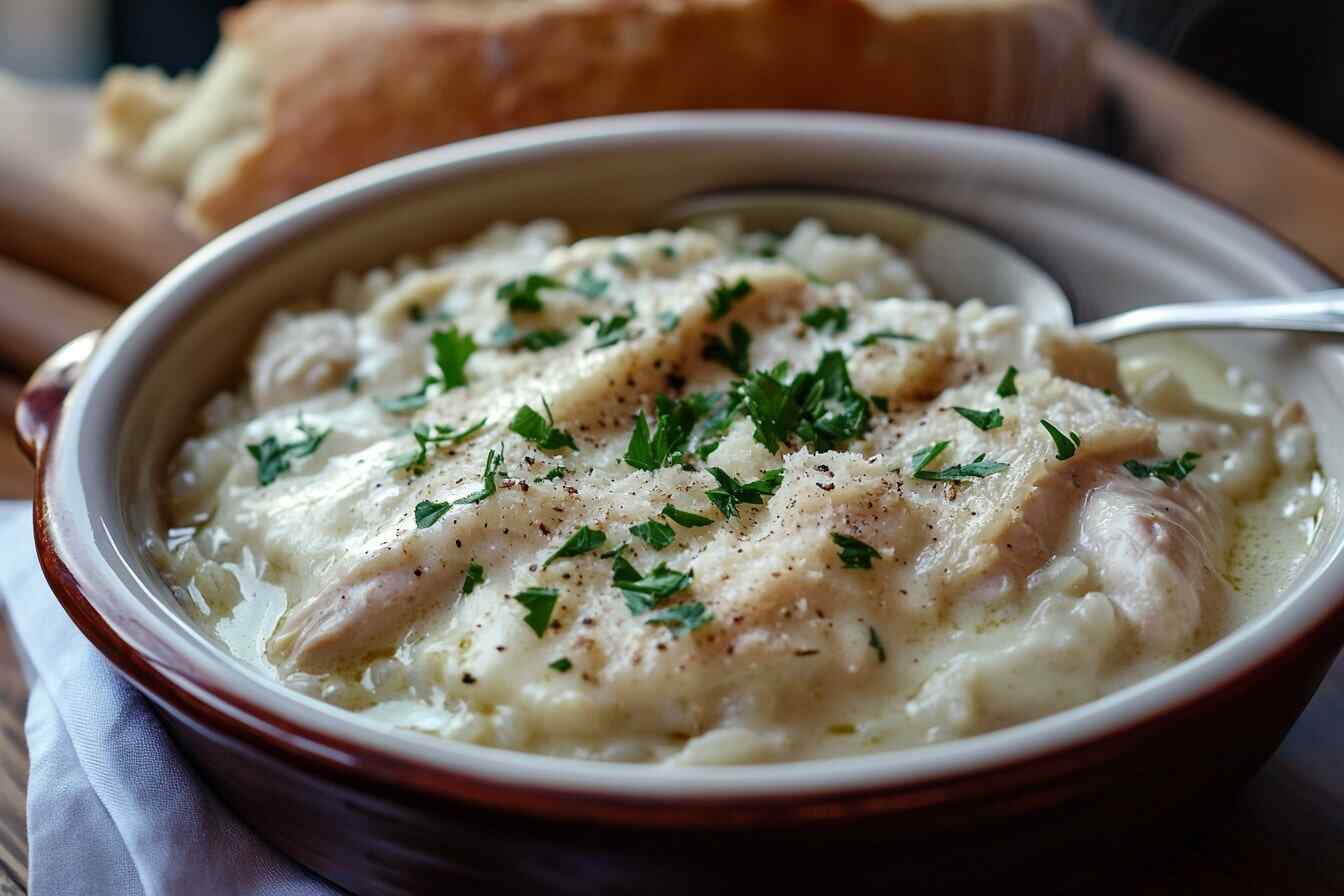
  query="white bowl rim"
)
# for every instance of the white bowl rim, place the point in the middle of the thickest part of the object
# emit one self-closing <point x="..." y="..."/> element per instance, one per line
<point x="77" y="520"/>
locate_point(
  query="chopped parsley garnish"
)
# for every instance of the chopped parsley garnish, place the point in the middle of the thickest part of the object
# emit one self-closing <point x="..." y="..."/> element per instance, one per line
<point x="926" y="456"/>
<point x="734" y="355"/>
<point x="880" y="402"/>
<point x="876" y="643"/>
<point x="552" y="473"/>
<point x="525" y="294"/>
<point x="609" y="331"/>
<point x="426" y="436"/>
<point x="427" y="513"/>
<point x="668" y="321"/>
<point x="873" y="337"/>
<point x="561" y="665"/>
<point x="475" y="576"/>
<point x="273" y="458"/>
<point x="720" y="409"/>
<point x="724" y="297"/>
<point x="540" y="604"/>
<point x="976" y="469"/>
<point x="836" y="318"/>
<point x="1065" y="446"/>
<point x="621" y="260"/>
<point x="644" y="592"/>
<point x="685" y="517"/>
<point x="352" y="385"/>
<point x="854" y="553"/>
<point x="667" y="251"/>
<point x="540" y="430"/>
<point x="451" y="351"/>
<point x="657" y="535"/>
<point x="991" y="419"/>
<point x="590" y="286"/>
<point x="411" y="401"/>
<point x="1008" y="385"/>
<point x="682" y="618"/>
<point x="1175" y="468"/>
<point x="731" y="492"/>
<point x="415" y="313"/>
<point x="507" y="335"/>
<point x="581" y="542"/>
<point x="543" y="339"/>
<point x="821" y="407"/>
<point x="667" y="445"/>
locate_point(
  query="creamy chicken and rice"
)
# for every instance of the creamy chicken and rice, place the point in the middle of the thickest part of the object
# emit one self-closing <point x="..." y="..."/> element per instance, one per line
<point x="708" y="496"/>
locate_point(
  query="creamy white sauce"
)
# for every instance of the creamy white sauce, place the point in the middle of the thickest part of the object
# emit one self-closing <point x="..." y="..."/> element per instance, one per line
<point x="998" y="599"/>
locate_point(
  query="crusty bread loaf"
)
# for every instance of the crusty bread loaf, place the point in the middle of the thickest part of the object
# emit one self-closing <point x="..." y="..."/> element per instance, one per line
<point x="303" y="91"/>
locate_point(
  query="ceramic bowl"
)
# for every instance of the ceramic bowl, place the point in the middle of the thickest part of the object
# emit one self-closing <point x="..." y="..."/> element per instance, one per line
<point x="381" y="811"/>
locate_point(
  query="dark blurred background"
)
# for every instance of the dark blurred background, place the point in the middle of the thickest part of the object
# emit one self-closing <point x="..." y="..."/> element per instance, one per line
<point x="1284" y="55"/>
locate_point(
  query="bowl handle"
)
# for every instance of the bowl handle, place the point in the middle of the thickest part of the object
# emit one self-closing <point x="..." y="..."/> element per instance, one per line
<point x="40" y="402"/>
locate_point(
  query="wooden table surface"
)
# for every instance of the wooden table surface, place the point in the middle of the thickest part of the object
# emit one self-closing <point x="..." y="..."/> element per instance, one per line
<point x="1155" y="117"/>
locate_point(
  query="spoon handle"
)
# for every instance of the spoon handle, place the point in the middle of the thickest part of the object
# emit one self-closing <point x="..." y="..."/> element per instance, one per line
<point x="1319" y="312"/>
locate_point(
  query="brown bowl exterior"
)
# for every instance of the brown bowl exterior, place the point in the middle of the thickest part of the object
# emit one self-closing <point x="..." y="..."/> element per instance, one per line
<point x="377" y="821"/>
<point x="1053" y="823"/>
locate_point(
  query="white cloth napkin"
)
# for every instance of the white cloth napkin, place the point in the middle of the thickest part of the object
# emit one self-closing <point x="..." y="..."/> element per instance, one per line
<point x="113" y="808"/>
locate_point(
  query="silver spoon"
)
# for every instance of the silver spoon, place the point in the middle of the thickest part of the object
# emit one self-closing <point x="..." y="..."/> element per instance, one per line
<point x="960" y="262"/>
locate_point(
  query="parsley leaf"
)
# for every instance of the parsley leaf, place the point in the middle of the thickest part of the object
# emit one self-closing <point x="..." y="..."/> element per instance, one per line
<point x="552" y="473"/>
<point x="1008" y="385"/>
<point x="352" y="385"/>
<point x="411" y="401"/>
<point x="821" y="406"/>
<point x="506" y="335"/>
<point x="541" y="430"/>
<point x="1065" y="446"/>
<point x="685" y="517"/>
<point x="873" y="337"/>
<point x="724" y="297"/>
<point x="540" y="604"/>
<point x="667" y="251"/>
<point x="621" y="260"/>
<point x="876" y="643"/>
<point x="1175" y="468"/>
<point x="273" y="458"/>
<point x="426" y="436"/>
<point x="681" y="618"/>
<point x="644" y="592"/>
<point x="976" y="469"/>
<point x="731" y="492"/>
<point x="668" y="321"/>
<point x="734" y="357"/>
<point x="854" y="553"/>
<point x="926" y="456"/>
<point x="451" y="351"/>
<point x="561" y="665"/>
<point x="590" y="286"/>
<point x="991" y="419"/>
<point x="427" y="513"/>
<point x="836" y="318"/>
<point x="475" y="576"/>
<point x="524" y="294"/>
<point x="581" y="542"/>
<point x="416" y="313"/>
<point x="609" y="331"/>
<point x="668" y="443"/>
<point x="657" y="535"/>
